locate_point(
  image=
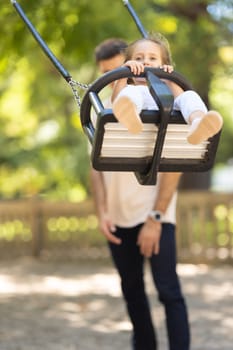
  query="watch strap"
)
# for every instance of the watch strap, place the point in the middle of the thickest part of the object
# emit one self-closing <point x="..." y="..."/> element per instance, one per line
<point x="156" y="215"/>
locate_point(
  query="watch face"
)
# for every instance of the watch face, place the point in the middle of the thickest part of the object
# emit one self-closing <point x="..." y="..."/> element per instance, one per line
<point x="157" y="216"/>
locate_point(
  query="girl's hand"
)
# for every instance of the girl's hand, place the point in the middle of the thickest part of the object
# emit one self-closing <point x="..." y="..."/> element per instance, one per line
<point x="136" y="67"/>
<point x="167" y="68"/>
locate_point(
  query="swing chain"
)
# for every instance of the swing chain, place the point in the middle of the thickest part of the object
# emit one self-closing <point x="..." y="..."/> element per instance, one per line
<point x="75" y="85"/>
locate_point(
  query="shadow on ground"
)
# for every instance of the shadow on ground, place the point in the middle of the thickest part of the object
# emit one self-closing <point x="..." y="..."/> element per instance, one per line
<point x="78" y="306"/>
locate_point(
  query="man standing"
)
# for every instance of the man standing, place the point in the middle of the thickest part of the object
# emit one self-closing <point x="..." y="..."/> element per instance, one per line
<point x="139" y="222"/>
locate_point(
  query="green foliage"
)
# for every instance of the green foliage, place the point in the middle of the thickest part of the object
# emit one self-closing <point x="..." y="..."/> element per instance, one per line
<point x="42" y="146"/>
<point x="79" y="230"/>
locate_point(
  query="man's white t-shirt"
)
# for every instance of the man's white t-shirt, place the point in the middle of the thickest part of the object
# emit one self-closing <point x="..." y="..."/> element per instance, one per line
<point x="129" y="203"/>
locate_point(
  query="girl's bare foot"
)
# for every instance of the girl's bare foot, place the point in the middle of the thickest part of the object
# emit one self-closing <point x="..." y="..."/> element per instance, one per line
<point x="203" y="128"/>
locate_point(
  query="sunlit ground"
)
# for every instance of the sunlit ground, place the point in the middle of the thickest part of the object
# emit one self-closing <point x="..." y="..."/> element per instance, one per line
<point x="78" y="306"/>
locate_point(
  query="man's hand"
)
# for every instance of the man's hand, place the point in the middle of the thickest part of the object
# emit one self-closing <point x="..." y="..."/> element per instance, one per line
<point x="149" y="238"/>
<point x="107" y="228"/>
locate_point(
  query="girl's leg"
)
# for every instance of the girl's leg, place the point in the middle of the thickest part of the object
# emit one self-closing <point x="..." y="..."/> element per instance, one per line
<point x="127" y="107"/>
<point x="204" y="124"/>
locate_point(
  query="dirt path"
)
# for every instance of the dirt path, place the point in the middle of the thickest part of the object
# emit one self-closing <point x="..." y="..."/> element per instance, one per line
<point x="78" y="306"/>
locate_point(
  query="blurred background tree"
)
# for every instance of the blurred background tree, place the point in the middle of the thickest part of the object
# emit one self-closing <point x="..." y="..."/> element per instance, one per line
<point x="42" y="146"/>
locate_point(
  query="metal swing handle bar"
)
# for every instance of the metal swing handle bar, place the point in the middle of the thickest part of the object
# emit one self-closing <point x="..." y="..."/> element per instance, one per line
<point x="107" y="78"/>
<point x="41" y="42"/>
<point x="135" y="18"/>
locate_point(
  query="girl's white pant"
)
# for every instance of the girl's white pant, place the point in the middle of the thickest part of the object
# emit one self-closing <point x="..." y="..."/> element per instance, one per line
<point x="187" y="102"/>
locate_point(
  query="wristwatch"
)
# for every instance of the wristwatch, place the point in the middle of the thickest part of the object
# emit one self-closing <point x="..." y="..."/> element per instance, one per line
<point x="155" y="215"/>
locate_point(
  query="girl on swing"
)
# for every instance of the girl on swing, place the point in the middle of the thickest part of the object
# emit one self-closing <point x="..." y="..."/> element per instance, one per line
<point x="129" y="99"/>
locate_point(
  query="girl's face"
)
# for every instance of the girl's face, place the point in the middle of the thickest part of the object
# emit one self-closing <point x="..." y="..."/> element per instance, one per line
<point x="148" y="53"/>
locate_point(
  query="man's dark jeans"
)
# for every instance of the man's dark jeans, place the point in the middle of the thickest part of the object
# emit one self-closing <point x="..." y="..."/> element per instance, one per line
<point x="129" y="263"/>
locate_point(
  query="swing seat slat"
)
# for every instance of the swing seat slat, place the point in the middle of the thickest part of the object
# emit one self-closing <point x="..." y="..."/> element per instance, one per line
<point x="116" y="149"/>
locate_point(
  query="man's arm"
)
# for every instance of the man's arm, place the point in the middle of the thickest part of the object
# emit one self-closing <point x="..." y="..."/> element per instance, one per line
<point x="99" y="196"/>
<point x="167" y="187"/>
<point x="149" y="237"/>
<point x="98" y="192"/>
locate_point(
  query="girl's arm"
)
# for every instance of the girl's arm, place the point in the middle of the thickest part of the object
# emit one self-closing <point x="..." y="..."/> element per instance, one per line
<point x="118" y="86"/>
<point x="136" y="68"/>
<point x="175" y="89"/>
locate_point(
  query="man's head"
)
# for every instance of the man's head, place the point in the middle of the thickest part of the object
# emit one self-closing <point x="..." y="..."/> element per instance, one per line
<point x="110" y="54"/>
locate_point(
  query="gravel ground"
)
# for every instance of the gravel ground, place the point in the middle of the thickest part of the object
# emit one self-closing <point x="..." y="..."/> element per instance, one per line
<point x="78" y="306"/>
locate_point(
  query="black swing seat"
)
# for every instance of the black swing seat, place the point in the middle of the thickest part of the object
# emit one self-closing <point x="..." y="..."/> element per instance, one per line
<point x="162" y="144"/>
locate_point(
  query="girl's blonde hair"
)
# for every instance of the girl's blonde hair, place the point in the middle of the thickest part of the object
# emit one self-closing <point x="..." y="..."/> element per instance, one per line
<point x="158" y="39"/>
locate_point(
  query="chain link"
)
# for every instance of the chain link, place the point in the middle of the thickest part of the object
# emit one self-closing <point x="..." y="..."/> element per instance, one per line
<point x="74" y="84"/>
